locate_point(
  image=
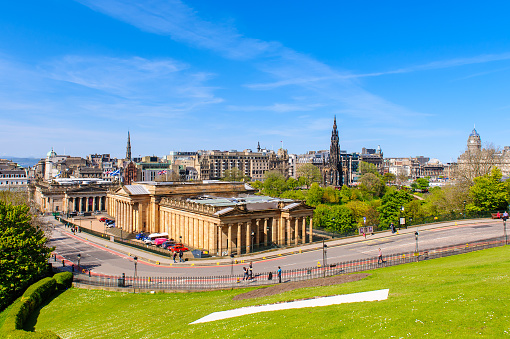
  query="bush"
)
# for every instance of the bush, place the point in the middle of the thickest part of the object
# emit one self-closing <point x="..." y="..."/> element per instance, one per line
<point x="33" y="297"/>
<point x="64" y="280"/>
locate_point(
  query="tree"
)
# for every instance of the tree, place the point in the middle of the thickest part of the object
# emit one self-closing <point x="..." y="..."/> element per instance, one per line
<point x="372" y="184"/>
<point x="488" y="193"/>
<point x="23" y="251"/>
<point x="310" y="174"/>
<point x="274" y="183"/>
<point x="365" y="167"/>
<point x="235" y="174"/>
<point x="422" y="184"/>
<point x="389" y="178"/>
<point x="476" y="163"/>
<point x="314" y="195"/>
<point x="336" y="218"/>
<point x="390" y="209"/>
<point x="331" y="195"/>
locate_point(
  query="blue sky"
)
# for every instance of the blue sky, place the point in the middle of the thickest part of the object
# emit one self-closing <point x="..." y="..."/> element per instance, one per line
<point x="413" y="77"/>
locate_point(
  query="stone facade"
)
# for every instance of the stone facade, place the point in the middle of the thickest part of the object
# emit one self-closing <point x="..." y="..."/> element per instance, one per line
<point x="219" y="217"/>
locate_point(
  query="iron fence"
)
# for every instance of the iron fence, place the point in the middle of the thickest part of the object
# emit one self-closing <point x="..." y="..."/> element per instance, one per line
<point x="268" y="278"/>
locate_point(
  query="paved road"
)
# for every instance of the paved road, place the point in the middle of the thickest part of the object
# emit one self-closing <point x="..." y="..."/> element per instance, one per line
<point x="104" y="257"/>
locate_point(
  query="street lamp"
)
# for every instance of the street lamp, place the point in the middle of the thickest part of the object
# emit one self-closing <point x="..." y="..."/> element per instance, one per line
<point x="416" y="236"/>
<point x="231" y="264"/>
<point x="504" y="229"/>
<point x="135" y="259"/>
<point x="252" y="241"/>
<point x="402" y="220"/>
<point x="79" y="258"/>
<point x="464" y="203"/>
<point x="324" y="256"/>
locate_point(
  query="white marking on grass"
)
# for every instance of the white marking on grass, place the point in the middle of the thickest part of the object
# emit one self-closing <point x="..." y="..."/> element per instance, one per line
<point x="323" y="301"/>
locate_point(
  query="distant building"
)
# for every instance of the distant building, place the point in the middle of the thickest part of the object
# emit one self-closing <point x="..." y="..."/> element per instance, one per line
<point x="12" y="176"/>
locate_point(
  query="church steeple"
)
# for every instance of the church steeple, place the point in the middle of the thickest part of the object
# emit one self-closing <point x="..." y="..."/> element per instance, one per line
<point x="335" y="162"/>
<point x="128" y="148"/>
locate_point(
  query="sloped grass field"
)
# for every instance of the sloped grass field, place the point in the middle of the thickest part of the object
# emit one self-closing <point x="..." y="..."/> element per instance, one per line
<point x="463" y="296"/>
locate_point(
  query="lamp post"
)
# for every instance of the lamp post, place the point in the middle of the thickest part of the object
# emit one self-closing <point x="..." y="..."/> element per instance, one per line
<point x="416" y="236"/>
<point x="252" y="241"/>
<point x="232" y="264"/>
<point x="402" y="220"/>
<point x="504" y="230"/>
<point x="79" y="258"/>
<point x="324" y="257"/>
<point x="464" y="203"/>
<point x="135" y="259"/>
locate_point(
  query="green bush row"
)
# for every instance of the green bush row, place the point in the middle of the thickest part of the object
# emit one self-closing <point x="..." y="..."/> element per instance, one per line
<point x="34" y="297"/>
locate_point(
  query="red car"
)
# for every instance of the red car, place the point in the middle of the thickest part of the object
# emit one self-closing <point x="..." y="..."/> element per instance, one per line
<point x="177" y="248"/>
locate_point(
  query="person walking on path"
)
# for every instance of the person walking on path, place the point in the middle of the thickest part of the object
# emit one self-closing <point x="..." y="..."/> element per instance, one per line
<point x="245" y="271"/>
<point x="279" y="274"/>
<point x="175" y="256"/>
<point x="380" y="259"/>
<point x="505" y="216"/>
<point x="181" y="253"/>
<point x="250" y="270"/>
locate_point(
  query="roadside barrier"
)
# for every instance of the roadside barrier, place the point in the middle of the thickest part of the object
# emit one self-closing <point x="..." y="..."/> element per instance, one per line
<point x="262" y="279"/>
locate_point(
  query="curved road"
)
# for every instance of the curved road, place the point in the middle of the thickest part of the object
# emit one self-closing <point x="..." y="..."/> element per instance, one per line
<point x="114" y="259"/>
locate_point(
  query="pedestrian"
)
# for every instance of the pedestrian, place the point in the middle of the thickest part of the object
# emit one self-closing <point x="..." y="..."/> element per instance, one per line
<point x="180" y="256"/>
<point x="505" y="216"/>
<point x="364" y="234"/>
<point x="250" y="270"/>
<point x="279" y="274"/>
<point x="245" y="275"/>
<point x="498" y="216"/>
<point x="175" y="255"/>
<point x="380" y="259"/>
<point x="392" y="227"/>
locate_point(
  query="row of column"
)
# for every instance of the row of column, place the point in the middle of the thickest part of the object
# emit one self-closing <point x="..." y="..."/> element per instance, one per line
<point x="128" y="215"/>
<point x="82" y="204"/>
<point x="190" y="230"/>
<point x="245" y="236"/>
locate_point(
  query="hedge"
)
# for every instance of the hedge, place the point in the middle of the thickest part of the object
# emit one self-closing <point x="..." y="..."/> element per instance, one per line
<point x="33" y="297"/>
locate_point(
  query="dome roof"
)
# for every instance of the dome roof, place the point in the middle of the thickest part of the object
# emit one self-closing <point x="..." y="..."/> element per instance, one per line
<point x="51" y="153"/>
<point x="474" y="133"/>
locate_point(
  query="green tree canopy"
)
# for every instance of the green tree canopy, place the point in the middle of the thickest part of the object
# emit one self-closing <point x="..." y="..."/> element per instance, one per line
<point x="372" y="184"/>
<point x="274" y="183"/>
<point x="365" y="167"/>
<point x="310" y="174"/>
<point x="488" y="193"/>
<point x="235" y="174"/>
<point x="23" y="251"/>
<point x="314" y="195"/>
<point x="337" y="218"/>
<point x="391" y="205"/>
<point x="389" y="178"/>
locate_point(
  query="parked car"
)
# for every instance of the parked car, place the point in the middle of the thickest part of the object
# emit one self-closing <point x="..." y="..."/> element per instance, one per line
<point x="178" y="248"/>
<point x="140" y="236"/>
<point x="80" y="214"/>
<point x="159" y="241"/>
<point x="167" y="244"/>
<point x="110" y="225"/>
<point x="103" y="219"/>
<point x="109" y="221"/>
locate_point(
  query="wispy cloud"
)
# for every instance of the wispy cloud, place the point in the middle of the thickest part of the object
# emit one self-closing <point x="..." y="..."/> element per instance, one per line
<point x="277" y="108"/>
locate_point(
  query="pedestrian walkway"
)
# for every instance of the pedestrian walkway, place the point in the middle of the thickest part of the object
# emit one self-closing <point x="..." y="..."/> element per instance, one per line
<point x="159" y="260"/>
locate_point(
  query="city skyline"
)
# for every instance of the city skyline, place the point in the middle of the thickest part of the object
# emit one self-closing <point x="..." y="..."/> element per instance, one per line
<point x="185" y="76"/>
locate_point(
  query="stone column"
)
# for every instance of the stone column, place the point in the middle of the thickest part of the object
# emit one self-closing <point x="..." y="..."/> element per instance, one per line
<point x="196" y="233"/>
<point x="181" y="228"/>
<point x="310" y="235"/>
<point x="257" y="233"/>
<point x="248" y="237"/>
<point x="239" y="225"/>
<point x="229" y="240"/>
<point x="140" y="216"/>
<point x="265" y="232"/>
<point x="213" y="242"/>
<point x="296" y="231"/>
<point x="79" y="205"/>
<point x="289" y="229"/>
<point x="94" y="204"/>
<point x="303" y="230"/>
<point x="220" y="240"/>
<point x="274" y="231"/>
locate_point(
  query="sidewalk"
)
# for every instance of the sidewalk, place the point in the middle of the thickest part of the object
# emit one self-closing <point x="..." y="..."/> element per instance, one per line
<point x="159" y="260"/>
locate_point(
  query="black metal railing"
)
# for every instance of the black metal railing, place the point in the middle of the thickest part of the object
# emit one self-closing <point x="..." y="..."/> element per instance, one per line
<point x="268" y="278"/>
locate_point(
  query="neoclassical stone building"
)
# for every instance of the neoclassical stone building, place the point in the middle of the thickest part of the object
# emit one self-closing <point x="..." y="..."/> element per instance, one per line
<point x="220" y="217"/>
<point x="70" y="195"/>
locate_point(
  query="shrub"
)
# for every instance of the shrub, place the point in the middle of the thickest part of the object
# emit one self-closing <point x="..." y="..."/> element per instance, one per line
<point x="64" y="280"/>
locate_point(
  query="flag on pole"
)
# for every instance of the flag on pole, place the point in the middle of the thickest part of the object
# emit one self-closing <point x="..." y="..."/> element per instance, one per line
<point x="114" y="173"/>
<point x="162" y="172"/>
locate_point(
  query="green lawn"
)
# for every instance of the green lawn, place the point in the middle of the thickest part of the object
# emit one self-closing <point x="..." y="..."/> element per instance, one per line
<point x="462" y="296"/>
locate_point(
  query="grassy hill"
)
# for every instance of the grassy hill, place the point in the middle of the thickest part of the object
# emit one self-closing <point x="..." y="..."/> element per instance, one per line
<point x="463" y="296"/>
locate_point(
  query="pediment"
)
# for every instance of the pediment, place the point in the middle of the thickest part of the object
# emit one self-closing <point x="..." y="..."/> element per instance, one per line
<point x="88" y="190"/>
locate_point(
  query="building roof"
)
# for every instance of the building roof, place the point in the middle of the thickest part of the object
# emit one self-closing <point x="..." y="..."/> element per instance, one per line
<point x="136" y="189"/>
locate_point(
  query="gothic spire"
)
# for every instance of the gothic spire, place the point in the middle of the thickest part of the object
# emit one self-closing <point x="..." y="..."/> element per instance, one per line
<point x="128" y="148"/>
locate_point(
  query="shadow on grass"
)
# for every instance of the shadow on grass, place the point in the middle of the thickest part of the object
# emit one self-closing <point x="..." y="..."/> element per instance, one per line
<point x="32" y="318"/>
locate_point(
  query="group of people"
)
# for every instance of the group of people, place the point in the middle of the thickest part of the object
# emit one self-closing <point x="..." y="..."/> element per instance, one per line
<point x="248" y="272"/>
<point x="181" y="254"/>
